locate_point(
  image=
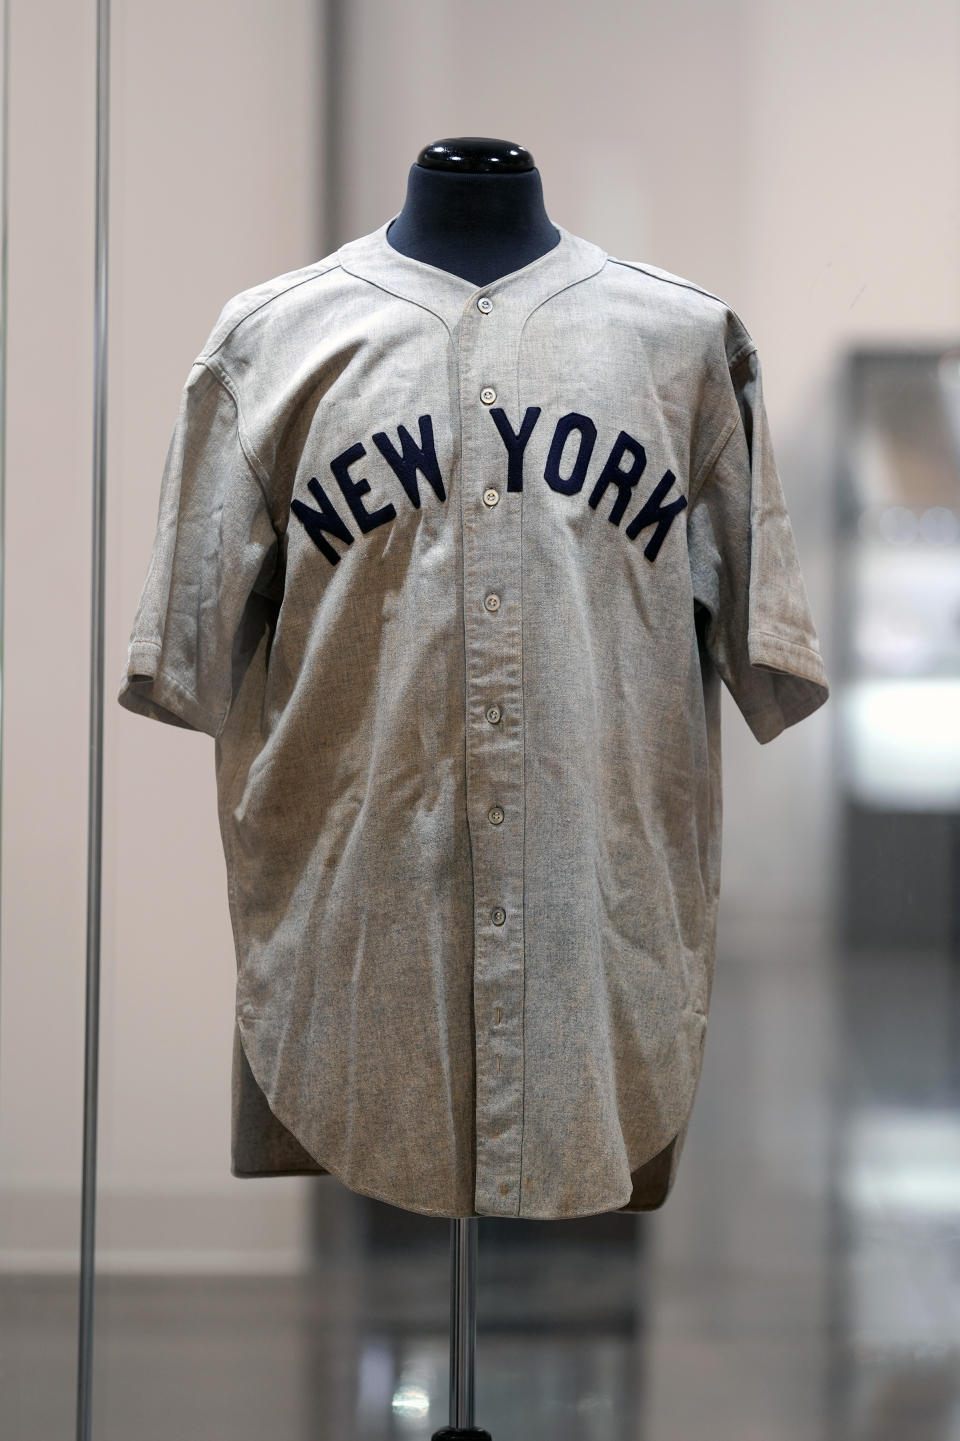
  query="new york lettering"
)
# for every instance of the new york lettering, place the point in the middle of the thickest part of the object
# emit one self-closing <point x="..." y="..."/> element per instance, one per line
<point x="568" y="461"/>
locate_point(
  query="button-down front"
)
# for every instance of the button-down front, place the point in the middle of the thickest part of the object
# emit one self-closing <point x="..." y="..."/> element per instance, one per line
<point x="453" y="575"/>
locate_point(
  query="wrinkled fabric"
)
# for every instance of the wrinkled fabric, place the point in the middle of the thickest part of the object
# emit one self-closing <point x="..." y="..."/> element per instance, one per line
<point x="454" y="589"/>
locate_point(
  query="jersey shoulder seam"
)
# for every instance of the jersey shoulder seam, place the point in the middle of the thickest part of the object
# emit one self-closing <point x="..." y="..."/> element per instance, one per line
<point x="683" y="284"/>
<point x="315" y="274"/>
<point x="679" y="281"/>
<point x="223" y="378"/>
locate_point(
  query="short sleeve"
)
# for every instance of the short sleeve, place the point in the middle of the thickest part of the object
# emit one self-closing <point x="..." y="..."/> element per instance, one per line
<point x="215" y="546"/>
<point x="759" y="631"/>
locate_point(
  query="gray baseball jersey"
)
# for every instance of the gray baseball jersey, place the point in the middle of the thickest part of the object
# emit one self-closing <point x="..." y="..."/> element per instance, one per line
<point x="452" y="575"/>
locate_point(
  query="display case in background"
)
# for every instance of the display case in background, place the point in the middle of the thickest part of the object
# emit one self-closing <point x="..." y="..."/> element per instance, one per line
<point x="897" y="649"/>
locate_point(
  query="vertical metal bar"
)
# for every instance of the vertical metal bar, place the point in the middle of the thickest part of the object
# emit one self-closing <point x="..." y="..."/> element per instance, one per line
<point x="95" y="780"/>
<point x="336" y="79"/>
<point x="463" y="1319"/>
<point x="4" y="312"/>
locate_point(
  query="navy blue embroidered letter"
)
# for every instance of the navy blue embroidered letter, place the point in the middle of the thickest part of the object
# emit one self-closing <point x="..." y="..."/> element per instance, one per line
<point x="422" y="457"/>
<point x="588" y="436"/>
<point x="516" y="443"/>
<point x="624" y="480"/>
<point x="353" y="489"/>
<point x="654" y="511"/>
<point x="315" y="522"/>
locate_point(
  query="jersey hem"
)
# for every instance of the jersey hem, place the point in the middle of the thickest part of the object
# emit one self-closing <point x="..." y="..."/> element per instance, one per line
<point x="615" y="1207"/>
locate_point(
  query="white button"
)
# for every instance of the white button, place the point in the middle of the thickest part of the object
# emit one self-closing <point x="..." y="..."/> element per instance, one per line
<point x="493" y="714"/>
<point x="485" y="304"/>
<point x="492" y="602"/>
<point x="495" y="815"/>
<point x="491" y="496"/>
<point x="488" y="395"/>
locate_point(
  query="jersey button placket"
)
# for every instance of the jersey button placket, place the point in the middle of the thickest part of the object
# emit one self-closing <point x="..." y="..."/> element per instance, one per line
<point x="492" y="628"/>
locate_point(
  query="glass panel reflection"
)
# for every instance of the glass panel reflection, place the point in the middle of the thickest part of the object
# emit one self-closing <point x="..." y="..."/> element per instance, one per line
<point x="897" y="1178"/>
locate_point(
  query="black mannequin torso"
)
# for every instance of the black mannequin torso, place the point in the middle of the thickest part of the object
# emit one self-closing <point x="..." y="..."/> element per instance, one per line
<point x="474" y="206"/>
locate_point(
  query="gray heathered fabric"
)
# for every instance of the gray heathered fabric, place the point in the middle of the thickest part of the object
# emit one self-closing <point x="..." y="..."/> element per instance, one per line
<point x="459" y="1009"/>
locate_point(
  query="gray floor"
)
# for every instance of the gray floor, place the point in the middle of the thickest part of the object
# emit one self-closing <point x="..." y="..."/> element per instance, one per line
<point x="801" y="1284"/>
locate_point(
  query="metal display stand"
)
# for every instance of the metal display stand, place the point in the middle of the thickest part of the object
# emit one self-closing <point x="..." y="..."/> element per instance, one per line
<point x="463" y="1332"/>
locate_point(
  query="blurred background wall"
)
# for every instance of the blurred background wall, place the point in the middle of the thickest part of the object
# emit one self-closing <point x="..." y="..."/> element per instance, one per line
<point x="800" y="161"/>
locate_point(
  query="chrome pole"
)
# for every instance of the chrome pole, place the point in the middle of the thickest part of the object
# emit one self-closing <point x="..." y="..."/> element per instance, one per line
<point x="463" y="1332"/>
<point x="95" y="771"/>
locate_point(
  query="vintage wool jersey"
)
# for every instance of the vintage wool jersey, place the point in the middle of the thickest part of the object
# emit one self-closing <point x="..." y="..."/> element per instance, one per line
<point x="452" y="575"/>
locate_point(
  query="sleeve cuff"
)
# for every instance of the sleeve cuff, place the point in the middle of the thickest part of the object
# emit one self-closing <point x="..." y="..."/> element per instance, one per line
<point x="146" y="690"/>
<point x="799" y="683"/>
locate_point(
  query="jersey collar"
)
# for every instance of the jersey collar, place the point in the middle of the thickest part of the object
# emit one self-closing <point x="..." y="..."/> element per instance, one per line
<point x="373" y="258"/>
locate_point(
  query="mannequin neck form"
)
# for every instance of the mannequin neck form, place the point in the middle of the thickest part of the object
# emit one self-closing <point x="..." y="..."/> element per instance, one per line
<point x="478" y="226"/>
